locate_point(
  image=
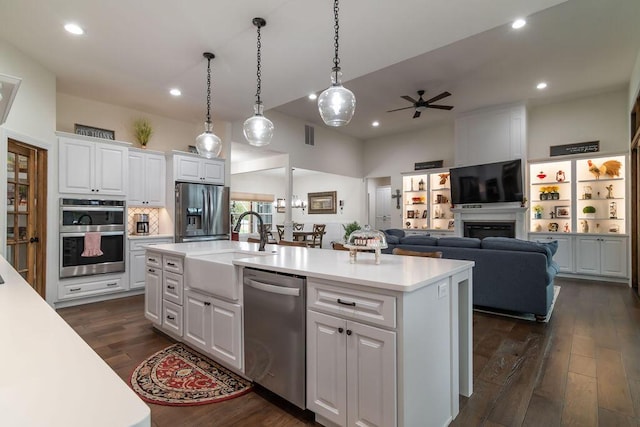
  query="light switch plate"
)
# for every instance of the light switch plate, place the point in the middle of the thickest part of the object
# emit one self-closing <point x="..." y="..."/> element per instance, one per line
<point x="443" y="290"/>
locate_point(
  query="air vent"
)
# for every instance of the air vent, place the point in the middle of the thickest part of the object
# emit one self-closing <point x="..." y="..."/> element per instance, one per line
<point x="308" y="135"/>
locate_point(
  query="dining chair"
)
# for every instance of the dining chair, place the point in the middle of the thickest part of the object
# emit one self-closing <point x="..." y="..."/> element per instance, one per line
<point x="280" y="229"/>
<point x="398" y="251"/>
<point x="290" y="243"/>
<point x="318" y="232"/>
<point x="298" y="226"/>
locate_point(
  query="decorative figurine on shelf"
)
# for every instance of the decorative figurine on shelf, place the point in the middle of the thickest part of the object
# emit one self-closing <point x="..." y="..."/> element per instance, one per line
<point x="553" y="226"/>
<point x="443" y="178"/>
<point x="560" y="176"/>
<point x="566" y="227"/>
<point x="585" y="226"/>
<point x="421" y="185"/>
<point x="408" y="224"/>
<point x="538" y="228"/>
<point x="609" y="191"/>
<point x="610" y="168"/>
<point x="542" y="175"/>
<point x="586" y="192"/>
<point x="552" y="215"/>
<point x="613" y="210"/>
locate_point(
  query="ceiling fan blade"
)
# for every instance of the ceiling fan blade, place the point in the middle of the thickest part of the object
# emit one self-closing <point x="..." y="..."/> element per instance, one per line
<point x="438" y="97"/>
<point x="408" y="98"/>
<point x="416" y="114"/>
<point x="398" y="109"/>
<point x="441" y="107"/>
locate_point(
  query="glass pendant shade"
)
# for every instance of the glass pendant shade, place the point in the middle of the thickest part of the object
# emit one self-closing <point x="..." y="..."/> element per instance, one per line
<point x="257" y="129"/>
<point x="208" y="144"/>
<point x="337" y="103"/>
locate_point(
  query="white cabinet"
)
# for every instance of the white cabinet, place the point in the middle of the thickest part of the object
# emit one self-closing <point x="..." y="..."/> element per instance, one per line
<point x="95" y="168"/>
<point x="602" y="255"/>
<point x="346" y="381"/>
<point x="163" y="292"/>
<point x="153" y="290"/>
<point x="564" y="254"/>
<point x="146" y="179"/>
<point x="198" y="169"/>
<point x="138" y="262"/>
<point x="214" y="326"/>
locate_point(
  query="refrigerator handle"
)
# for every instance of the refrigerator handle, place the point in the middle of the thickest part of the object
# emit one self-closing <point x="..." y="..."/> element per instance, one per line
<point x="205" y="213"/>
<point x="211" y="211"/>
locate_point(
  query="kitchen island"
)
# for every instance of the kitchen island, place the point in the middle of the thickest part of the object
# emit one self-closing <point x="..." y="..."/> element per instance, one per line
<point x="405" y="356"/>
<point x="48" y="375"/>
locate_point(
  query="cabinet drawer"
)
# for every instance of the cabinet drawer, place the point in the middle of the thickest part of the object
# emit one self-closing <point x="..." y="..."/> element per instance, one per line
<point x="364" y="306"/>
<point x="172" y="317"/>
<point x="154" y="259"/>
<point x="172" y="264"/>
<point x="172" y="287"/>
<point x="90" y="288"/>
<point x="136" y="245"/>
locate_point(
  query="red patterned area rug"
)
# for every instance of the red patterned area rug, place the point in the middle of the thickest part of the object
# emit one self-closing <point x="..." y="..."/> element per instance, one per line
<point x="178" y="376"/>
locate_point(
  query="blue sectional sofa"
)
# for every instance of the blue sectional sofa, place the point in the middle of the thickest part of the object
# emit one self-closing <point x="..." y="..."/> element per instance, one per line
<point x="509" y="274"/>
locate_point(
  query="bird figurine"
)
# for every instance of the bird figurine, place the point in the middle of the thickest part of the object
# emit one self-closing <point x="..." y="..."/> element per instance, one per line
<point x="443" y="178"/>
<point x="610" y="168"/>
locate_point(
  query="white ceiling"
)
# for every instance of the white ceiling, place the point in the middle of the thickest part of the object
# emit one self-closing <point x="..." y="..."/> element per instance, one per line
<point x="133" y="52"/>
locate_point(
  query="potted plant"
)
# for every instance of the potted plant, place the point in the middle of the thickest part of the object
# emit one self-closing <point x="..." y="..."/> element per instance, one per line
<point x="544" y="193"/>
<point x="537" y="211"/>
<point x="555" y="195"/>
<point x="142" y="131"/>
<point x="350" y="228"/>
<point x="589" y="211"/>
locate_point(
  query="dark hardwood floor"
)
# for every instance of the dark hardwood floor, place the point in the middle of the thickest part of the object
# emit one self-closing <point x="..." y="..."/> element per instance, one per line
<point x="582" y="368"/>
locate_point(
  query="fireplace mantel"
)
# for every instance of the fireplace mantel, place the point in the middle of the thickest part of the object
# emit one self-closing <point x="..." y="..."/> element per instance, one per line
<point x="490" y="213"/>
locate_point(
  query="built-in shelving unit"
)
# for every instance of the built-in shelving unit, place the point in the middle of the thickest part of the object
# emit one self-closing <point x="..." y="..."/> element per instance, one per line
<point x="427" y="201"/>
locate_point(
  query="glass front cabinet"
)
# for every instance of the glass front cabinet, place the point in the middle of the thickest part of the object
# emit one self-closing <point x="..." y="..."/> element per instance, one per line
<point x="581" y="203"/>
<point x="427" y="202"/>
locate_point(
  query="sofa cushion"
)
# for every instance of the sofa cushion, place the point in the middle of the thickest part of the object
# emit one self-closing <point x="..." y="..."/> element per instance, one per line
<point x="393" y="235"/>
<point x="418" y="240"/>
<point x="509" y="244"/>
<point x="460" y="242"/>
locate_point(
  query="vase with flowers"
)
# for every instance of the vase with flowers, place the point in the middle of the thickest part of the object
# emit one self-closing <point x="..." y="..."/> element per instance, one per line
<point x="142" y="131"/>
<point x="537" y="211"/>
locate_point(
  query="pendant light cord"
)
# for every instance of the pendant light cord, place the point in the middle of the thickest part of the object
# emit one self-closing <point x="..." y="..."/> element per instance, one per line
<point x="259" y="70"/>
<point x="336" y="26"/>
<point x="208" y="90"/>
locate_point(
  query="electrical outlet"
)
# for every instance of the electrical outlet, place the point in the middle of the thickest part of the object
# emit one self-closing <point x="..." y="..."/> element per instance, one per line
<point x="443" y="290"/>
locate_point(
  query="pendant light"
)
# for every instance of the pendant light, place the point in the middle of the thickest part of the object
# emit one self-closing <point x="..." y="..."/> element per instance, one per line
<point x="257" y="129"/>
<point x="208" y="143"/>
<point x="337" y="103"/>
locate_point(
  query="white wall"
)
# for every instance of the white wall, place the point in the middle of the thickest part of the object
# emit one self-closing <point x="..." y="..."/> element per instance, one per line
<point x="389" y="156"/>
<point x="333" y="152"/>
<point x="603" y="117"/>
<point x="634" y="84"/>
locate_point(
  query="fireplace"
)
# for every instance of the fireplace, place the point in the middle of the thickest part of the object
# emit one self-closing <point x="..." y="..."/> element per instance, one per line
<point x="484" y="229"/>
<point x="496" y="214"/>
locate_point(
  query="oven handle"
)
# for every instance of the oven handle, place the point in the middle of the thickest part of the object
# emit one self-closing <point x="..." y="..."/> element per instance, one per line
<point x="92" y="208"/>
<point x="104" y="233"/>
<point x="273" y="288"/>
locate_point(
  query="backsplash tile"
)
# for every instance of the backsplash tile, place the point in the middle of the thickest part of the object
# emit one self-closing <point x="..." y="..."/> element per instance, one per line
<point x="154" y="219"/>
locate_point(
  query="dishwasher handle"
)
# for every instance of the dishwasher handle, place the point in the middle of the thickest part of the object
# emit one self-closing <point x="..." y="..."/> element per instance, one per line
<point x="273" y="288"/>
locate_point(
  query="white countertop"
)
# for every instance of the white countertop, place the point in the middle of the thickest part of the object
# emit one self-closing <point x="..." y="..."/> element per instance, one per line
<point x="149" y="236"/>
<point x="48" y="375"/>
<point x="396" y="273"/>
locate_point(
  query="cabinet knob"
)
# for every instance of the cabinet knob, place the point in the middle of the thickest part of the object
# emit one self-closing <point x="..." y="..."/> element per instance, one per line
<point x="340" y="330"/>
<point x="348" y="331"/>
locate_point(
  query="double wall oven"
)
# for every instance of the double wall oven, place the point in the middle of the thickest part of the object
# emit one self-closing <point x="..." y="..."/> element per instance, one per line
<point x="81" y="216"/>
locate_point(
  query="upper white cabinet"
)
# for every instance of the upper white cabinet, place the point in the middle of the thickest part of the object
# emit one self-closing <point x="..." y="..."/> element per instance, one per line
<point x="146" y="178"/>
<point x="95" y="168"/>
<point x="198" y="169"/>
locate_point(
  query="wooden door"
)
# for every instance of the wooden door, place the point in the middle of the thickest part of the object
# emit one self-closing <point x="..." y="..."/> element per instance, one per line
<point x="27" y="212"/>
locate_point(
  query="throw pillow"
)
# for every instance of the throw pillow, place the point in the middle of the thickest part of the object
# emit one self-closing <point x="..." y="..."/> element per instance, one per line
<point x="552" y="246"/>
<point x="460" y="242"/>
<point x="394" y="232"/>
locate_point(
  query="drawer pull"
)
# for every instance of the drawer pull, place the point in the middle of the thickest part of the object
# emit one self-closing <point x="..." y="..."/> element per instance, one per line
<point x="171" y="287"/>
<point x="171" y="318"/>
<point x="352" y="303"/>
<point x="170" y="264"/>
<point x="207" y="303"/>
<point x="112" y="284"/>
<point x="74" y="289"/>
<point x="151" y="259"/>
<point x="151" y="270"/>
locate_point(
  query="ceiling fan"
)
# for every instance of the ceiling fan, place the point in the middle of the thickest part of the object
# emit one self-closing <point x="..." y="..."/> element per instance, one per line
<point x="420" y="105"/>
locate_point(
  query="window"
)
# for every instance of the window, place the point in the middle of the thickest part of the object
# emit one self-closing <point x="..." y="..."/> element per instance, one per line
<point x="250" y="222"/>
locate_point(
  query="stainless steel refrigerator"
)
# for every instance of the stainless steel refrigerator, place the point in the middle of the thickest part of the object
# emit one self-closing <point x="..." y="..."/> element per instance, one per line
<point x="202" y="212"/>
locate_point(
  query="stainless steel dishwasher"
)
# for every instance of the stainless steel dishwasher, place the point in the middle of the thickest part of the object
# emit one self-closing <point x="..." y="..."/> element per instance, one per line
<point x="275" y="333"/>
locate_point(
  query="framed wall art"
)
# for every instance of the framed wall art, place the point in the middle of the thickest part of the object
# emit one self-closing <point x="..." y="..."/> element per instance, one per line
<point x="322" y="203"/>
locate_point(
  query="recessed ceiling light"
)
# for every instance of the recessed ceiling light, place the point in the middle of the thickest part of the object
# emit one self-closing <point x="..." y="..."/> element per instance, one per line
<point x="313" y="96"/>
<point x="175" y="92"/>
<point x="518" y="23"/>
<point x="541" y="85"/>
<point x="375" y="124"/>
<point x="74" y="29"/>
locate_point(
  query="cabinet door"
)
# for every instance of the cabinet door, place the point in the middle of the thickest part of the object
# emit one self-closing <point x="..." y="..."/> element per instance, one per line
<point x="371" y="376"/>
<point x="172" y="318"/>
<point x="213" y="171"/>
<point x="153" y="295"/>
<point x="613" y="257"/>
<point x="154" y="180"/>
<point x="197" y="313"/>
<point x="111" y="169"/>
<point x="172" y="287"/>
<point x="564" y="254"/>
<point x="136" y="196"/>
<point x="226" y="332"/>
<point x="187" y="168"/>
<point x="76" y="166"/>
<point x="327" y="367"/>
<point x="588" y="255"/>
<point x="136" y="269"/>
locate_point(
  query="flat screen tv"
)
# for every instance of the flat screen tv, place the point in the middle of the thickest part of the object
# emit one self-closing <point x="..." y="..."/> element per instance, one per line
<point x="498" y="182"/>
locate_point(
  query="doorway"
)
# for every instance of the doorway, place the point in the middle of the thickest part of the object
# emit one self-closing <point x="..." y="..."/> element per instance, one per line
<point x="383" y="207"/>
<point x="27" y="212"/>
